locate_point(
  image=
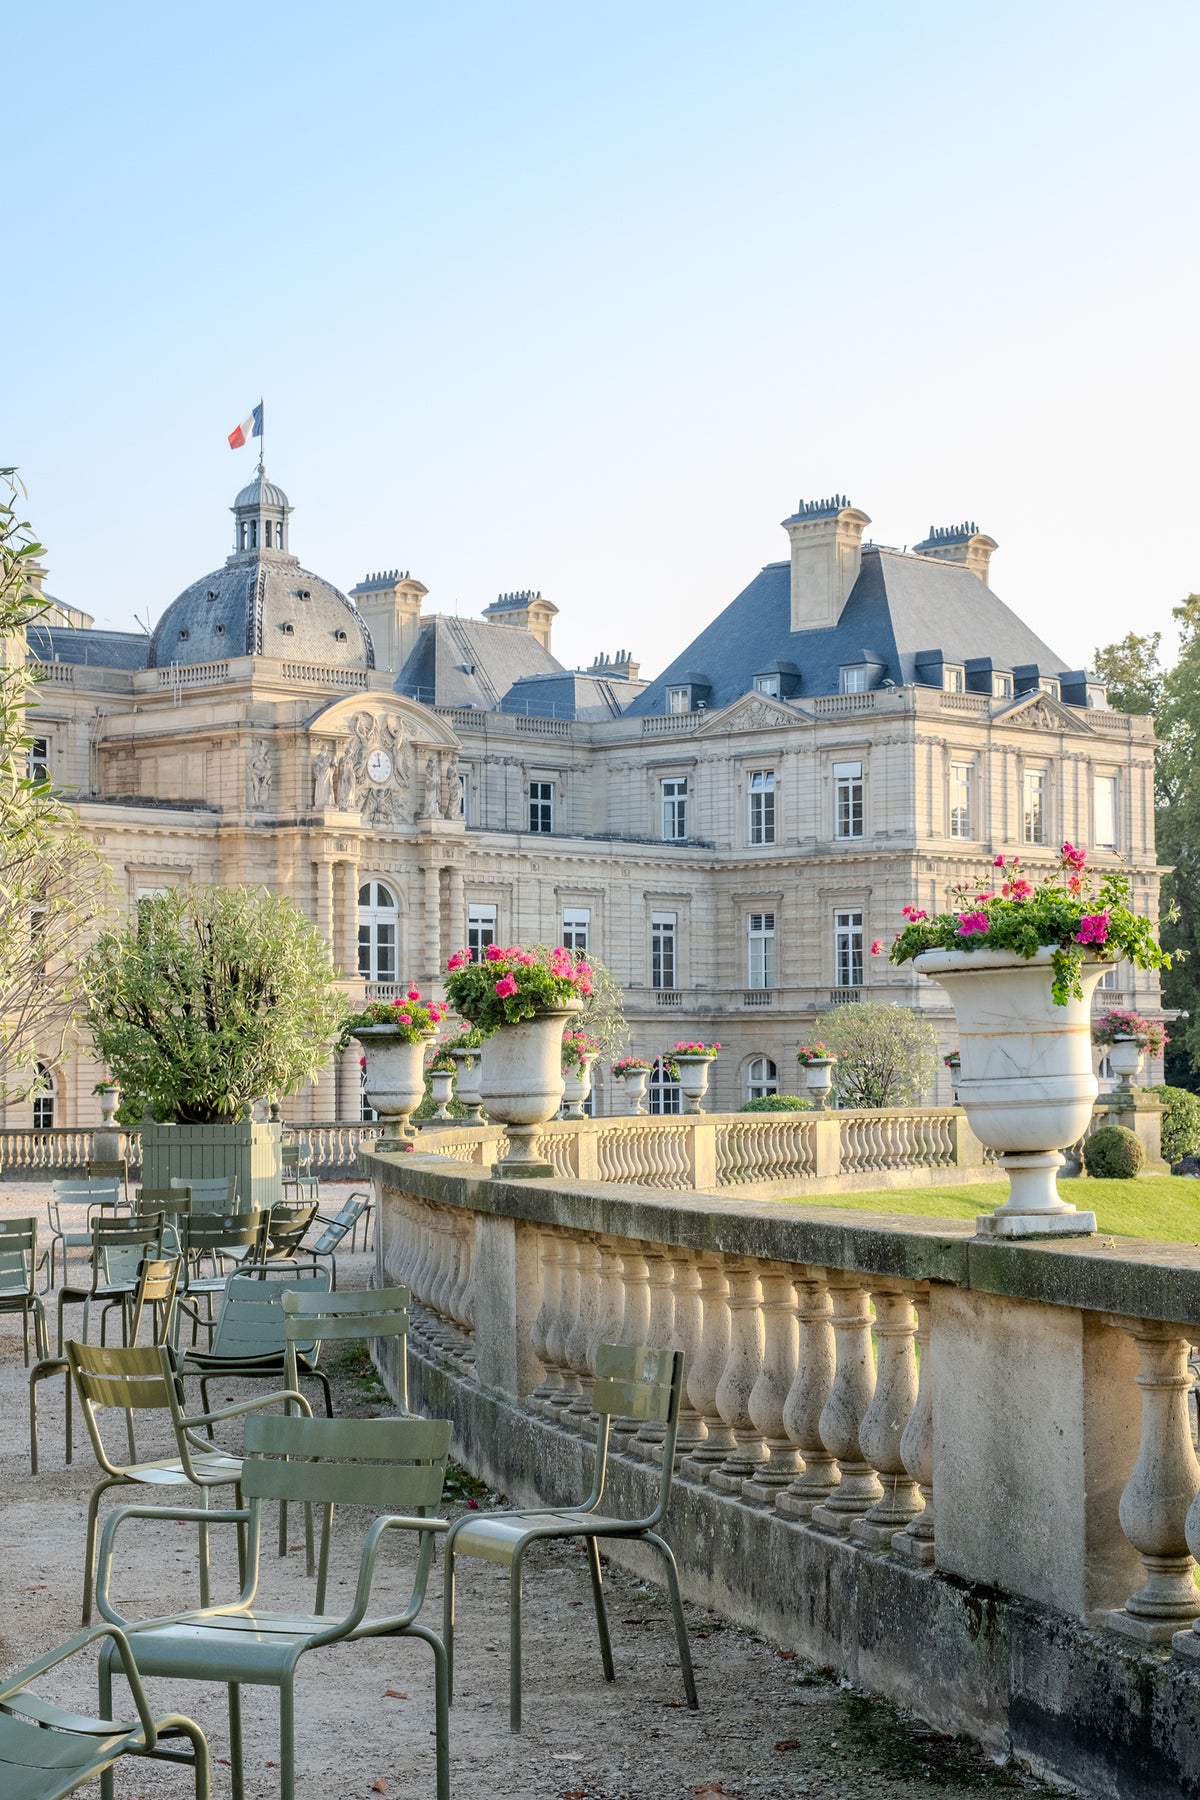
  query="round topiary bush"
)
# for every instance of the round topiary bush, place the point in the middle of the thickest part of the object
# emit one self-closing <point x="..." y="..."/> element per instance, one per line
<point x="1180" y="1122"/>
<point x="1113" y="1154"/>
<point x="777" y="1103"/>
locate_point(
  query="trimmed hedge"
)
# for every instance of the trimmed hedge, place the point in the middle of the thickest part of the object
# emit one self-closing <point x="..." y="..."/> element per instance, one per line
<point x="1180" y="1122"/>
<point x="777" y="1103"/>
<point x="1113" y="1154"/>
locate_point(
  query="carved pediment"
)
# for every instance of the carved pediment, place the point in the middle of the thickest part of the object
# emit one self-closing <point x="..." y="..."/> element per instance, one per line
<point x="1042" y="712"/>
<point x="753" y="712"/>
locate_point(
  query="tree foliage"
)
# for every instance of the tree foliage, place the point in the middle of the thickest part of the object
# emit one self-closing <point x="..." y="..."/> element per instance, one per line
<point x="1131" y="673"/>
<point x="887" y="1055"/>
<point x="211" y="998"/>
<point x="52" y="883"/>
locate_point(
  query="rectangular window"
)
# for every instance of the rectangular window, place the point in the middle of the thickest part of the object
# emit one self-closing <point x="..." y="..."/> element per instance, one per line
<point x="541" y="806"/>
<point x="762" y="806"/>
<point x="1048" y="685"/>
<point x="767" y="684"/>
<point x="481" y="929"/>
<point x="954" y="678"/>
<point x="679" y="699"/>
<point x="1035" y="806"/>
<point x="1104" y="802"/>
<point x="848" y="804"/>
<point x="576" y="927"/>
<point x="675" y="807"/>
<point x="39" y="759"/>
<point x="854" y="680"/>
<point x="960" y="799"/>
<point x="761" y="931"/>
<point x="662" y="950"/>
<point x="848" y="949"/>
<point x="1002" y="685"/>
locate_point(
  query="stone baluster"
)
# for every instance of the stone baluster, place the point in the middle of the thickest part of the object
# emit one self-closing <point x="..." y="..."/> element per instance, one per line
<point x="561" y="1327"/>
<point x="660" y="1331"/>
<point x="809" y="1393"/>
<point x="579" y="1344"/>
<point x="610" y="1314"/>
<point x="635" y="1275"/>
<point x="550" y="1252"/>
<point x="707" y="1370"/>
<point x="458" y="1290"/>
<point x="916" y="1446"/>
<point x="1160" y="1505"/>
<point x="687" y="1334"/>
<point x="768" y="1397"/>
<point x="737" y="1383"/>
<point x="892" y="1406"/>
<point x="843" y="1412"/>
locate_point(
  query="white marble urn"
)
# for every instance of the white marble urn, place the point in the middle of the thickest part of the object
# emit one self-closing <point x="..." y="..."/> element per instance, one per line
<point x="521" y="1083"/>
<point x="634" y="1083"/>
<point x="1026" y="1081"/>
<point x="577" y="1085"/>
<point x="693" y="1079"/>
<point x="466" y="1084"/>
<point x="818" y="1079"/>
<point x="441" y="1088"/>
<point x="395" y="1084"/>
<point x="1124" y="1059"/>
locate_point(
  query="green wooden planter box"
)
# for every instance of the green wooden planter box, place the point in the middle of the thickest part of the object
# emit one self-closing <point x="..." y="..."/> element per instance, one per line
<point x="251" y="1151"/>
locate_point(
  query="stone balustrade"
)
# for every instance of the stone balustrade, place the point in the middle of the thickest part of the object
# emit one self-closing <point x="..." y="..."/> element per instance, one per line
<point x="846" y="1375"/>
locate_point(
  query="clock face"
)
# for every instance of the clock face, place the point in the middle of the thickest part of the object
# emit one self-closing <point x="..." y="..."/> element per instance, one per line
<point x="379" y="766"/>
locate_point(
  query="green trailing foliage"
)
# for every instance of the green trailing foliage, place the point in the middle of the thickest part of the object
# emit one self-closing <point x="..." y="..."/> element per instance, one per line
<point x="209" y="999"/>
<point x="1113" y="1154"/>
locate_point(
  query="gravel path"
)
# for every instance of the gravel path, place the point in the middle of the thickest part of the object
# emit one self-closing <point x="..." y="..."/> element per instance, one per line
<point x="769" y="1725"/>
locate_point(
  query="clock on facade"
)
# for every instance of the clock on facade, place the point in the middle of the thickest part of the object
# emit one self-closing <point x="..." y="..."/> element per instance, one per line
<point x="379" y="766"/>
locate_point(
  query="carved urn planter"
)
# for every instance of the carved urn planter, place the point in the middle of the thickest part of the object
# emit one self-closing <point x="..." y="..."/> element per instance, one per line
<point x="466" y="1084"/>
<point x="521" y="1083"/>
<point x="693" y="1079"/>
<point x="1025" y="1082"/>
<point x="577" y="1085"/>
<point x="441" y="1086"/>
<point x="1125" y="1059"/>
<point x="395" y="1083"/>
<point x="635" y="1082"/>
<point x="818" y="1079"/>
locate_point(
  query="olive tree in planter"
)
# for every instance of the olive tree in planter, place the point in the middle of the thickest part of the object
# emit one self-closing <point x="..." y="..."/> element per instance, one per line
<point x="205" y="1001"/>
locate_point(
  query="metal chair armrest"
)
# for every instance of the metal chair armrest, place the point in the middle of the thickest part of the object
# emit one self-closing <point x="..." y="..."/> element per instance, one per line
<point x="429" y="1529"/>
<point x="81" y="1640"/>
<point x="202" y="1515"/>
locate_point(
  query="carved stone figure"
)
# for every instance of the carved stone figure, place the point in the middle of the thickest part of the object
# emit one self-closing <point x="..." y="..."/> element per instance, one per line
<point x="432" y="808"/>
<point x="454" y="792"/>
<point x="323" y="777"/>
<point x="259" y="773"/>
<point x="345" y="779"/>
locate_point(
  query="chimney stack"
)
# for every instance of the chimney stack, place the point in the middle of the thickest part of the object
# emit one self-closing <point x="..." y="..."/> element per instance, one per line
<point x="389" y="604"/>
<point x="620" y="667"/>
<point x="963" y="543"/>
<point x="826" y="539"/>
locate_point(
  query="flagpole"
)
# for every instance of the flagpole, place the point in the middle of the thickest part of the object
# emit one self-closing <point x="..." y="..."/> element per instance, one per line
<point x="262" y="437"/>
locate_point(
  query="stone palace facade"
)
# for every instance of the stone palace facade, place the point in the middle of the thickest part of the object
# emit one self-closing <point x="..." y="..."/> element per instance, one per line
<point x="858" y="729"/>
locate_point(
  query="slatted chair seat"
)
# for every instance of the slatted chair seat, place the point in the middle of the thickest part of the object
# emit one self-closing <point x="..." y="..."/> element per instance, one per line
<point x="632" y="1382"/>
<point x="396" y="1466"/>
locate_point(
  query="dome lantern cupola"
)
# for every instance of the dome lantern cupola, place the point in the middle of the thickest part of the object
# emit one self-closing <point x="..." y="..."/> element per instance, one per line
<point x="261" y="511"/>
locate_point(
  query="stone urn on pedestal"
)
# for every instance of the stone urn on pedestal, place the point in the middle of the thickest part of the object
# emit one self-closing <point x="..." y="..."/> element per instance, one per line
<point x="441" y="1087"/>
<point x="634" y="1081"/>
<point x="521" y="1083"/>
<point x="395" y="1079"/>
<point x="106" y="1145"/>
<point x="1125" y="1060"/>
<point x="818" y="1079"/>
<point x="1026" y="1082"/>
<point x="466" y="1084"/>
<point x="693" y="1078"/>
<point x="577" y="1085"/>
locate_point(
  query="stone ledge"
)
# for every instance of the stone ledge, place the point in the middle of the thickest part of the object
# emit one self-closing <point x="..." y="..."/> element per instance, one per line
<point x="1117" y="1720"/>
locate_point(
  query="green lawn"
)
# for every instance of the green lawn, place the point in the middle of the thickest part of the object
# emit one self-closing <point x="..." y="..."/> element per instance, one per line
<point x="1152" y="1206"/>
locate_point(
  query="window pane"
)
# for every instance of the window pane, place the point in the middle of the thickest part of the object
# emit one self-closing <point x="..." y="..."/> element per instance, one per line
<point x="674" y="807"/>
<point x="848" y="800"/>
<point x="848" y="949"/>
<point x="762" y="806"/>
<point x="662" y="950"/>
<point x="541" y="806"/>
<point x="663" y="1095"/>
<point x="1035" y="806"/>
<point x="481" y="929"/>
<point x="576" y="927"/>
<point x="762" y="1077"/>
<point x="1105" y="798"/>
<point x="960" y="800"/>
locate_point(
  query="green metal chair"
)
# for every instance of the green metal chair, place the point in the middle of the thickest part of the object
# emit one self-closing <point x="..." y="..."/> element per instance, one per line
<point x="210" y="1193"/>
<point x="250" y="1338"/>
<point x="146" y="1378"/>
<point x="173" y="1203"/>
<point x="344" y="1224"/>
<point x="297" y="1171"/>
<point x="18" y="1280"/>
<point x="47" y="1752"/>
<point x="119" y="1246"/>
<point x="397" y="1465"/>
<point x="285" y="1232"/>
<point x="217" y="1236"/>
<point x="636" y="1383"/>
<point x="69" y="1214"/>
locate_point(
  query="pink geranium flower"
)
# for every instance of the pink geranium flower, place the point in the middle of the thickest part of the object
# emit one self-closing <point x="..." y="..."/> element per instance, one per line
<point x="999" y="863"/>
<point x="877" y="947"/>
<point x="972" y="924"/>
<point x="1073" y="858"/>
<point x="914" y="913"/>
<point x="459" y="960"/>
<point x="414" y="993"/>
<point x="1093" y="929"/>
<point x="506" y="985"/>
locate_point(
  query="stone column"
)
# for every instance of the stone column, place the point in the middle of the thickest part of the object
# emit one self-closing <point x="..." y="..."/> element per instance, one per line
<point x="635" y="1276"/>
<point x="457" y="924"/>
<point x="561" y="1327"/>
<point x="809" y="1393"/>
<point x="579" y="1343"/>
<point x="610" y="1314"/>
<point x="916" y="1544"/>
<point x="707" y="1370"/>
<point x="737" y="1383"/>
<point x="347" y="936"/>
<point x="885" y="1419"/>
<point x="1154" y="1509"/>
<point x="550" y="1259"/>
<point x="846" y="1407"/>
<point x="348" y="1077"/>
<point x="431" y="948"/>
<point x="768" y="1397"/>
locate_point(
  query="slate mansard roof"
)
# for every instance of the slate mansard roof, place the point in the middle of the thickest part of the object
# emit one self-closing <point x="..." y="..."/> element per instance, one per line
<point x="262" y="603"/>
<point x="900" y="607"/>
<point x="101" y="649"/>
<point x="467" y="662"/>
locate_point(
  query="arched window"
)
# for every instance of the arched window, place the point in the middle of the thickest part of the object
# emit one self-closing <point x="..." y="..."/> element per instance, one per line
<point x="43" y="1100"/>
<point x="762" y="1077"/>
<point x="664" y="1094"/>
<point x="378" y="932"/>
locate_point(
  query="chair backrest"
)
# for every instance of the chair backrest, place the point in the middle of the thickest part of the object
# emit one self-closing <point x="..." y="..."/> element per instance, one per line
<point x="118" y="1246"/>
<point x="398" y="1465"/>
<point x="288" y="1224"/>
<point x="157" y="1285"/>
<point x="77" y="1197"/>
<point x="167" y="1200"/>
<point x="636" y="1381"/>
<point x="337" y="1228"/>
<point x="86" y="1190"/>
<point x="316" y="1318"/>
<point x="18" y="1257"/>
<point x="202" y="1232"/>
<point x="136" y="1380"/>
<point x="250" y="1323"/>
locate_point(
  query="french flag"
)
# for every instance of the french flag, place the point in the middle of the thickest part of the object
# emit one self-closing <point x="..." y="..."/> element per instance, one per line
<point x="249" y="427"/>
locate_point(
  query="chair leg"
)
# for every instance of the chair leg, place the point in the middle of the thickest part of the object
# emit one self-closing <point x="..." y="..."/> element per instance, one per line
<point x="323" y="1564"/>
<point x="41" y="1337"/>
<point x="593" y="1549"/>
<point x="33" y="1427"/>
<point x="323" y="1378"/>
<point x="106" y="1711"/>
<point x="287" y="1740"/>
<point x="514" y="1645"/>
<point x="202" y="1530"/>
<point x="236" y="1775"/>
<point x="685" y="1653"/>
<point x="25" y="1333"/>
<point x="60" y="1322"/>
<point x="441" y="1690"/>
<point x="70" y="1435"/>
<point x="202" y="1757"/>
<point x="448" y="1620"/>
<point x="89" y="1548"/>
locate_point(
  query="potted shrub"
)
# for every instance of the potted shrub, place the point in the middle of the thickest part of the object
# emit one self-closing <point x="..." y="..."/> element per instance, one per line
<point x="521" y="1000"/>
<point x="579" y="1052"/>
<point x="634" y="1072"/>
<point x="1020" y="965"/>
<point x="1127" y="1037"/>
<point x="817" y="1065"/>
<point x="689" y="1065"/>
<point x="394" y="1035"/>
<point x="204" y="1000"/>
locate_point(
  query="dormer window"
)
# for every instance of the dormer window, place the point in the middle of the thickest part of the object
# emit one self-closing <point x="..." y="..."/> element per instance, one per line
<point x="767" y="684"/>
<point x="954" y="678"/>
<point x="1048" y="685"/>
<point x="1002" y="684"/>
<point x="183" y="632"/>
<point x="1096" y="694"/>
<point x="220" y="630"/>
<point x="679" y="699"/>
<point x="854" y="678"/>
<point x="304" y="593"/>
<point x="213" y="594"/>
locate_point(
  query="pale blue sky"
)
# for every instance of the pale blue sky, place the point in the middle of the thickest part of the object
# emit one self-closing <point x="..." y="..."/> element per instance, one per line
<point x="586" y="298"/>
